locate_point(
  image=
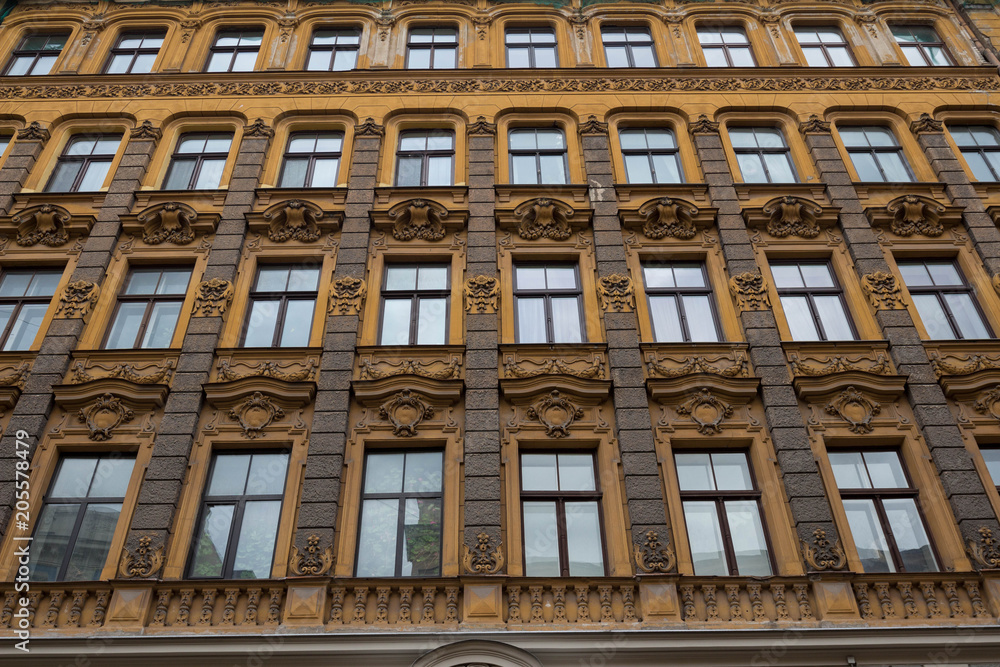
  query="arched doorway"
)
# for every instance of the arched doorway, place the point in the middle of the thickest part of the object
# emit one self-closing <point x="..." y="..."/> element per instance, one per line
<point x="477" y="654"/>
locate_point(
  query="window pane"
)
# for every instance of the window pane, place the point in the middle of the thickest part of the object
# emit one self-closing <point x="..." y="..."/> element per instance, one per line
<point x="732" y="472"/>
<point x="74" y="477"/>
<point x="126" y="326"/>
<point x="799" y="318"/>
<point x="915" y="274"/>
<point x="700" y="319"/>
<point x="747" y="533"/>
<point x="213" y="538"/>
<point x="244" y="61"/>
<point x="19" y="66"/>
<point x="992" y="459"/>
<point x="396" y="322"/>
<point x="523" y="170"/>
<point x="422" y="538"/>
<point x="694" y="472"/>
<point x="25" y="327"/>
<point x="657" y="276"/>
<point x="55" y="525"/>
<point x="345" y="59"/>
<point x="384" y="473"/>
<point x="864" y="164"/>
<point x="841" y="56"/>
<point x="529" y="277"/>
<point x="119" y="64"/>
<point x="835" y="322"/>
<point x="432" y="277"/>
<point x="298" y="323"/>
<point x="583" y="530"/>
<point x="538" y="472"/>
<point x="377" y="541"/>
<point x="705" y="538"/>
<point x="815" y="57"/>
<point x="319" y="61"/>
<point x="43" y="65"/>
<point x="143" y="63"/>
<point x="401" y="278"/>
<point x="560" y="277"/>
<point x="267" y="474"/>
<point x="219" y="62"/>
<point x="229" y="475"/>
<point x="849" y="470"/>
<point x="423" y="472"/>
<point x="980" y="169"/>
<point x="666" y="319"/>
<point x="908" y="532"/>
<point x="445" y="58"/>
<point x="553" y="169"/>
<point x="210" y="175"/>
<point x="111" y="477"/>
<point x="616" y="55"/>
<point x="970" y="323"/>
<point x="894" y="168"/>
<point x="5" y="312"/>
<point x="255" y="548"/>
<point x="179" y="177"/>
<point x="643" y="56"/>
<point x="816" y="275"/>
<point x="93" y="542"/>
<point x="160" y="328"/>
<point x="432" y="322"/>
<point x="439" y="170"/>
<point x="779" y="168"/>
<point x="541" y="540"/>
<point x="667" y="168"/>
<point x="566" y="320"/>
<point x="545" y="57"/>
<point x="260" y="324"/>
<point x="408" y="171"/>
<point x="531" y="321"/>
<point x="638" y="168"/>
<point x="576" y="472"/>
<point x="518" y="57"/>
<point x="64" y="176"/>
<point x="419" y="59"/>
<point x="325" y="173"/>
<point x="716" y="57"/>
<point x="15" y="283"/>
<point x="293" y="174"/>
<point x="933" y="317"/>
<point x="751" y="168"/>
<point x="873" y="550"/>
<point x="885" y="470"/>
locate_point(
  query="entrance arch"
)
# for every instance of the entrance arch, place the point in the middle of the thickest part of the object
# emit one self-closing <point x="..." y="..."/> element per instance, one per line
<point x="474" y="653"/>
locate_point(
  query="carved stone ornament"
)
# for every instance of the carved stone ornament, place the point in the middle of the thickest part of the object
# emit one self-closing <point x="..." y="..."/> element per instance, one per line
<point x="616" y="293"/>
<point x="792" y="216"/>
<point x="480" y="559"/>
<point x="985" y="552"/>
<point x="369" y="129"/>
<point x="145" y="562"/>
<point x="926" y="125"/>
<point x="311" y="561"/>
<point x="988" y="403"/>
<point x="368" y="370"/>
<point x="706" y="410"/>
<point x="704" y="126"/>
<point x="293" y="220"/>
<point x="912" y="214"/>
<point x="405" y="411"/>
<point x="654" y="557"/>
<point x="168" y="222"/>
<point x="123" y="371"/>
<point x="749" y="291"/>
<point x="556" y="414"/>
<point x="592" y="126"/>
<point x="18" y="377"/>
<point x="346" y="295"/>
<point x="34" y="132"/>
<point x="104" y="415"/>
<point x="972" y="364"/>
<point x="77" y="299"/>
<point x="255" y="413"/>
<point x="856" y="409"/>
<point x="268" y="369"/>
<point x="814" y="125"/>
<point x="418" y="219"/>
<point x="45" y="224"/>
<point x="822" y="555"/>
<point x="481" y="126"/>
<point x="481" y="294"/>
<point x="213" y="297"/>
<point x="258" y="129"/>
<point x="552" y="366"/>
<point x="840" y="364"/>
<point x="543" y="218"/>
<point x="883" y="290"/>
<point x="668" y="217"/>
<point x="694" y="365"/>
<point x="145" y="130"/>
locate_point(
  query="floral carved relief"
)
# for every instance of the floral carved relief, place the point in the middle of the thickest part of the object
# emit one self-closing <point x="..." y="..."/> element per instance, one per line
<point x="482" y="559"/>
<point x="883" y="290"/>
<point x="749" y="291"/>
<point x="45" y="224"/>
<point x="311" y="561"/>
<point x="213" y="297"/>
<point x="653" y="556"/>
<point x="255" y="413"/>
<point x="418" y="219"/>
<point x="543" y="218"/>
<point x="168" y="222"/>
<point x="481" y="294"/>
<point x="822" y="554"/>
<point x="856" y="409"/>
<point x="346" y="295"/>
<point x="141" y="562"/>
<point x="293" y="220"/>
<point x="665" y="217"/>
<point x="77" y="299"/>
<point x="792" y="216"/>
<point x="616" y="292"/>
<point x="912" y="214"/>
<point x="104" y="415"/>
<point x="706" y="410"/>
<point x="405" y="411"/>
<point x="555" y="413"/>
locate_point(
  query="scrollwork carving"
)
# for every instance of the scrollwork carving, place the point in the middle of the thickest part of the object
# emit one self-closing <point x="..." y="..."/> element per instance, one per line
<point x="592" y="126"/>
<point x="418" y="219"/>
<point x="694" y="365"/>
<point x="555" y="413"/>
<point x="792" y="216"/>
<point x="706" y="410"/>
<point x="293" y="220"/>
<point x="481" y="559"/>
<point x="255" y="413"/>
<point x="481" y="294"/>
<point x="369" y="129"/>
<point x="269" y="369"/>
<point x="144" y="562"/>
<point x="311" y="561"/>
<point x="926" y="124"/>
<point x="856" y="409"/>
<point x="985" y="552"/>
<point x="18" y="377"/>
<point x="988" y="403"/>
<point x="145" y="131"/>
<point x="543" y="218"/>
<point x="34" y="132"/>
<point x="77" y="299"/>
<point x="652" y="556"/>
<point x="814" y="125"/>
<point x="104" y="415"/>
<point x="125" y="371"/>
<point x="973" y="363"/>
<point x="213" y="297"/>
<point x="703" y="125"/>
<point x="616" y="292"/>
<point x="552" y="366"/>
<point x="405" y="411"/>
<point x="168" y="222"/>
<point x="45" y="224"/>
<point x="346" y="295"/>
<point x="749" y="291"/>
<point x="482" y="127"/>
<point x="912" y="214"/>
<point x="883" y="290"/>
<point x="668" y="217"/>
<point x="840" y="364"/>
<point x="822" y="555"/>
<point x="258" y="129"/>
<point x="369" y="371"/>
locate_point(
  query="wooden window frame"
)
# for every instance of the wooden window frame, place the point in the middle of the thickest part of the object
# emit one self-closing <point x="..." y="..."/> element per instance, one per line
<point x="546" y="295"/>
<point x="537" y="153"/>
<point x="151" y="300"/>
<point x="976" y="148"/>
<point x="530" y="30"/>
<point x="875" y="151"/>
<point x="760" y="152"/>
<point x="232" y="50"/>
<point x="822" y="46"/>
<point x="198" y="157"/>
<point x="34" y="53"/>
<point x="415" y="296"/>
<point x="675" y="153"/>
<point x="722" y="46"/>
<point x="808" y="292"/>
<point x="311" y="167"/>
<point x="630" y="43"/>
<point x="283" y="297"/>
<point x="432" y="45"/>
<point x="19" y="301"/>
<point x="117" y="50"/>
<point x="560" y="497"/>
<point x="84" y="160"/>
<point x="921" y="46"/>
<point x="334" y="49"/>
<point x="678" y="293"/>
<point x="938" y="291"/>
<point x="425" y="155"/>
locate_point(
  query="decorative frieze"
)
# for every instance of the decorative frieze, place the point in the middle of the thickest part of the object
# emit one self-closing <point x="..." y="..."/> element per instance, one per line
<point x="286" y="372"/>
<point x="670" y="366"/>
<point x="92" y="370"/>
<point x="516" y="367"/>
<point x="816" y="365"/>
<point x="372" y="369"/>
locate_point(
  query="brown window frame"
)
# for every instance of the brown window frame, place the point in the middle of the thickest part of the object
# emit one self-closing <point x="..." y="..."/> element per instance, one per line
<point x="34" y="54"/>
<point x="547" y="294"/>
<point x="312" y="157"/>
<point x="199" y="158"/>
<point x="808" y="292"/>
<point x="822" y="46"/>
<point x="233" y="50"/>
<point x="151" y="300"/>
<point x="283" y="297"/>
<point x="334" y="49"/>
<point x="939" y="290"/>
<point x="537" y="153"/>
<point x="921" y="46"/>
<point x="117" y="49"/>
<point x="678" y="293"/>
<point x="722" y="46"/>
<point x="84" y="160"/>
<point x="529" y="45"/>
<point x="432" y="45"/>
<point x="415" y="295"/>
<point x="19" y="302"/>
<point x="631" y="32"/>
<point x="425" y="155"/>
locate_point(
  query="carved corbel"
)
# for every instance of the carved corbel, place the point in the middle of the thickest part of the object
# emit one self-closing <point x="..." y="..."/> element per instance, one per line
<point x="146" y="131"/>
<point x="481" y="294"/>
<point x="418" y="219"/>
<point x="543" y="218"/>
<point x="46" y="224"/>
<point x="168" y="222"/>
<point x="913" y="214"/>
<point x="258" y="129"/>
<point x="822" y="555"/>
<point x="927" y="125"/>
<point x="593" y="127"/>
<point x="664" y="217"/>
<point x="104" y="415"/>
<point x="883" y="291"/>
<point x="311" y="562"/>
<point x="482" y="127"/>
<point x="143" y="562"/>
<point x="988" y="403"/>
<point x="814" y="125"/>
<point x="293" y="220"/>
<point x="33" y="132"/>
<point x="481" y="559"/>
<point x="369" y="129"/>
<point x="213" y="297"/>
<point x="616" y="293"/>
<point x="654" y="557"/>
<point x="77" y="299"/>
<point x="792" y="216"/>
<point x="749" y="291"/>
<point x="347" y="295"/>
<point x="704" y="126"/>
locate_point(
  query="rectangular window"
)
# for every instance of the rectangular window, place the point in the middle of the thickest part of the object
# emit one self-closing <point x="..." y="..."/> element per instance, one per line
<point x="35" y="55"/>
<point x="531" y="47"/>
<point x="548" y="303"/>
<point x="415" y="305"/>
<point x="628" y="46"/>
<point x="334" y="50"/>
<point x="722" y="511"/>
<point x="425" y="158"/>
<point x="135" y="53"/>
<point x="725" y="47"/>
<point x="401" y="512"/>
<point x="824" y="47"/>
<point x="812" y="300"/>
<point x="992" y="458"/>
<point x="538" y="157"/>
<point x="762" y="155"/>
<point x="84" y="164"/>
<point x="198" y="161"/>
<point x="4" y="142"/>
<point x="432" y="48"/>
<point x="235" y="51"/>
<point x="650" y="156"/>
<point x="25" y="296"/>
<point x="148" y="308"/>
<point x="561" y="514"/>
<point x="944" y="300"/>
<point x="312" y="160"/>
<point x="77" y="522"/>
<point x="875" y="154"/>
<point x="882" y="512"/>
<point x="240" y="511"/>
<point x="680" y="302"/>
<point x="921" y="46"/>
<point x="980" y="146"/>
<point x="282" y="306"/>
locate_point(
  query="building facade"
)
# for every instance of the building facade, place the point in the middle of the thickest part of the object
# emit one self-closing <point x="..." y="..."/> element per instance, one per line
<point x="474" y="332"/>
